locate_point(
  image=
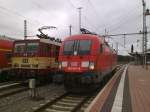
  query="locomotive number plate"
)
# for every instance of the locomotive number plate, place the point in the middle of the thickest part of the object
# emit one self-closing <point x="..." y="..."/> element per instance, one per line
<point x="25" y="60"/>
<point x="74" y="64"/>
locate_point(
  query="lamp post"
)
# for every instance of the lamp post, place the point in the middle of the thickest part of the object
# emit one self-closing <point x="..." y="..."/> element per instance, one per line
<point x="144" y="46"/>
<point x="147" y="13"/>
<point x="79" y="19"/>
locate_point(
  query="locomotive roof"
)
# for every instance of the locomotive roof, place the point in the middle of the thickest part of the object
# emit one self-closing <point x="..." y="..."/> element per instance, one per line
<point x="85" y="36"/>
<point x="90" y="36"/>
<point x="27" y="40"/>
<point x="3" y="37"/>
<point x="5" y="44"/>
<point x="48" y="41"/>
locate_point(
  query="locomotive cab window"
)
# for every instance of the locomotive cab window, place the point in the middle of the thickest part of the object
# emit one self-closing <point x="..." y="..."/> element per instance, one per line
<point x="56" y="50"/>
<point x="68" y="47"/>
<point x="101" y="48"/>
<point x="32" y="47"/>
<point x="19" y="47"/>
<point x="84" y="47"/>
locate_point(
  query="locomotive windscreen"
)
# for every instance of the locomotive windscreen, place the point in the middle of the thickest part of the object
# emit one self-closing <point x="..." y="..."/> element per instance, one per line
<point x="82" y="47"/>
<point x="32" y="47"/>
<point x="68" y="47"/>
<point x="19" y="47"/>
<point x="26" y="47"/>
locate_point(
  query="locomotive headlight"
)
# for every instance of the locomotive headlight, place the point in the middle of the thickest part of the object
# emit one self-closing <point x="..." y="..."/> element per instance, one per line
<point x="64" y="63"/>
<point x="85" y="64"/>
<point x="91" y="66"/>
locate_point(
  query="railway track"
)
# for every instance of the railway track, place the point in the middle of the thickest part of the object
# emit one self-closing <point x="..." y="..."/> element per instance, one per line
<point x="11" y="88"/>
<point x="66" y="103"/>
<point x="70" y="102"/>
<point x="4" y="83"/>
<point x="7" y="89"/>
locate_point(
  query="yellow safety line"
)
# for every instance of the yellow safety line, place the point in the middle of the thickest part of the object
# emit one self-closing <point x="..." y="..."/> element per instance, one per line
<point x="5" y="49"/>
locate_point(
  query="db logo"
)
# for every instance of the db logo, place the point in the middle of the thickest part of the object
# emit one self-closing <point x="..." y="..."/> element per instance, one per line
<point x="74" y="68"/>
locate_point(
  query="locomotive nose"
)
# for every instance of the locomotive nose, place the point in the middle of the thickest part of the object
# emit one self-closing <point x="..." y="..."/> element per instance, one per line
<point x="77" y="65"/>
<point x="86" y="80"/>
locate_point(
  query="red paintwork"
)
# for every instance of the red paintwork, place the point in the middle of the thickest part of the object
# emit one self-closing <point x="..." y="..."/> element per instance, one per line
<point x="104" y="61"/>
<point x="78" y="78"/>
<point x="5" y="46"/>
<point x="24" y="54"/>
<point x="39" y="53"/>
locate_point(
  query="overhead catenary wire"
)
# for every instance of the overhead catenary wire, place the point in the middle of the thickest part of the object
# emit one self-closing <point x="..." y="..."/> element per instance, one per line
<point x="33" y="22"/>
<point x="124" y="19"/>
<point x="116" y="42"/>
<point x="124" y="23"/>
<point x="41" y="7"/>
<point x="125" y="34"/>
<point x="93" y="8"/>
<point x="70" y="2"/>
<point x="83" y="15"/>
<point x="19" y="15"/>
<point x="88" y="22"/>
<point x="122" y="34"/>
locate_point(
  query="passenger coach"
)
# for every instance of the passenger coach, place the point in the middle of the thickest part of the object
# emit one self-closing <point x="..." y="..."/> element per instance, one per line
<point x="6" y="45"/>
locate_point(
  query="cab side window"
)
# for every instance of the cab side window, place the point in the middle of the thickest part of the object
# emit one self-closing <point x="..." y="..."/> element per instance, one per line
<point x="56" y="50"/>
<point x="101" y="48"/>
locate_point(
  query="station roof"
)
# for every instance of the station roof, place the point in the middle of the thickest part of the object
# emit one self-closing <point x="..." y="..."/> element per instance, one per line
<point x="140" y="53"/>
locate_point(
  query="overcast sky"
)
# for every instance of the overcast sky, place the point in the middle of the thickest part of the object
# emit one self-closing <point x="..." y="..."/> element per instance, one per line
<point x="116" y="16"/>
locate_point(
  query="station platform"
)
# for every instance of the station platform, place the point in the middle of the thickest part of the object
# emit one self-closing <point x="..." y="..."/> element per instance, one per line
<point x="127" y="91"/>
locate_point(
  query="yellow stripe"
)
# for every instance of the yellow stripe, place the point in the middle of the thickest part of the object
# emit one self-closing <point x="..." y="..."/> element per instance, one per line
<point x="5" y="49"/>
<point x="43" y="62"/>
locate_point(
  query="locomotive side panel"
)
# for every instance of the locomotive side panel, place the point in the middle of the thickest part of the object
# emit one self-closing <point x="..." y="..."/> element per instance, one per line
<point x="5" y="54"/>
<point x="5" y="58"/>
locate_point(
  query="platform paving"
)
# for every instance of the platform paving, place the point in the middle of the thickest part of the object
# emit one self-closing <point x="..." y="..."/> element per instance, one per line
<point x="139" y="85"/>
<point x="104" y="100"/>
<point x="132" y="93"/>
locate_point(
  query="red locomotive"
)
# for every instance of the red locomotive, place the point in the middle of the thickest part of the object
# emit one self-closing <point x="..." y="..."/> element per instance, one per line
<point x="36" y="58"/>
<point x="85" y="60"/>
<point x="5" y="56"/>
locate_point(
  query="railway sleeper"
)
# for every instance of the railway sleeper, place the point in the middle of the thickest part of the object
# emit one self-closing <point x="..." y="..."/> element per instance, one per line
<point x="60" y="107"/>
<point x="70" y="101"/>
<point x="53" y="110"/>
<point x="66" y="103"/>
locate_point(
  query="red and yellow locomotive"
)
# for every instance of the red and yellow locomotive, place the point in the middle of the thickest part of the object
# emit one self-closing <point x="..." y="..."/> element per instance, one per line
<point x="85" y="60"/>
<point x="35" y="58"/>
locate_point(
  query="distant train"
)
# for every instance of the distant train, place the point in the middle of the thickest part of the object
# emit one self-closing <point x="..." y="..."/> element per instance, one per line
<point x="35" y="58"/>
<point x="85" y="60"/>
<point x="6" y="45"/>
